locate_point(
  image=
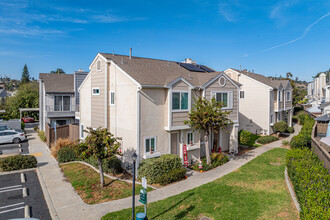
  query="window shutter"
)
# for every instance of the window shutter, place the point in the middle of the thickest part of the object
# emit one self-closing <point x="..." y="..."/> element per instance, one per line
<point x="230" y="100"/>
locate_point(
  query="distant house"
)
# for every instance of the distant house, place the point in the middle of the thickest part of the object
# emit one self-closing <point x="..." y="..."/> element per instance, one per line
<point x="3" y="94"/>
<point x="58" y="100"/>
<point x="262" y="101"/>
<point x="146" y="101"/>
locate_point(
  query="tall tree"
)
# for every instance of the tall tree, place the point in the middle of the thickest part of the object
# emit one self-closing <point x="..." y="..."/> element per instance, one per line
<point x="102" y="144"/>
<point x="27" y="96"/>
<point x="207" y="116"/>
<point x="25" y="75"/>
<point x="289" y="75"/>
<point x="58" y="71"/>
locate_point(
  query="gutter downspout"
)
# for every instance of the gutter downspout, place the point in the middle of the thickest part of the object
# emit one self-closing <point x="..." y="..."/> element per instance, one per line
<point x="138" y="127"/>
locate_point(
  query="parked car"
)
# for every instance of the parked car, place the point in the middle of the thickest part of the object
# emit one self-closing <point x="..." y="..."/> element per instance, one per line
<point x="28" y="119"/>
<point x="4" y="128"/>
<point x="11" y="136"/>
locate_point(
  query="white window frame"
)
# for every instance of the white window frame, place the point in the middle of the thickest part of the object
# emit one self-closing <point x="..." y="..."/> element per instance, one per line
<point x="192" y="135"/>
<point x="98" y="65"/>
<point x="271" y="119"/>
<point x="179" y="110"/>
<point x="96" y="93"/>
<point x="112" y="101"/>
<point x="230" y="98"/>
<point x="145" y="142"/>
<point x="240" y="94"/>
<point x="81" y="131"/>
<point x="280" y="96"/>
<point x="288" y="99"/>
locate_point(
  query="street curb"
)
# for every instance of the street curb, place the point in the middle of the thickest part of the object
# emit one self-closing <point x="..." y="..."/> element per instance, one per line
<point x="47" y="197"/>
<point x="17" y="171"/>
<point x="292" y="193"/>
<point x="111" y="177"/>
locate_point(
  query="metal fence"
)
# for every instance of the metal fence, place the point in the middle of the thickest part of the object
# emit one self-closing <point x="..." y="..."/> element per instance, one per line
<point x="320" y="149"/>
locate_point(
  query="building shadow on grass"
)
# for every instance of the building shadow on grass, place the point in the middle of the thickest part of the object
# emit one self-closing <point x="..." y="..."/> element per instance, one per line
<point x="182" y="213"/>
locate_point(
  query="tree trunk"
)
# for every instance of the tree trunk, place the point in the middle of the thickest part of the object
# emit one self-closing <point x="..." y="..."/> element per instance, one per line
<point x="207" y="148"/>
<point x="99" y="161"/>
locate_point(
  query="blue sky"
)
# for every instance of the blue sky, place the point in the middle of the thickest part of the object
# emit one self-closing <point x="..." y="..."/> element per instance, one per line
<point x="269" y="37"/>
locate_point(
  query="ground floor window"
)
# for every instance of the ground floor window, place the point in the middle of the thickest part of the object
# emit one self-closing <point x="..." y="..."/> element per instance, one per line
<point x="150" y="144"/>
<point x="190" y="138"/>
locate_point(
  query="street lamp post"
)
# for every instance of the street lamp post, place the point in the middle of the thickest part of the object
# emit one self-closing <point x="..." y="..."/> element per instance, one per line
<point x="134" y="156"/>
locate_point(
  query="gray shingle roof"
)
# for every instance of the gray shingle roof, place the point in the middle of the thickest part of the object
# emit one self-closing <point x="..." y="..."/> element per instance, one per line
<point x="148" y="71"/>
<point x="57" y="82"/>
<point x="274" y="83"/>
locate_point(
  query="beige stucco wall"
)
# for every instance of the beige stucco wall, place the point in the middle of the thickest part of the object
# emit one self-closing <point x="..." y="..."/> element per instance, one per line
<point x="254" y="106"/>
<point x="85" y="103"/>
<point x="123" y="115"/>
<point x="152" y="123"/>
<point x="98" y="101"/>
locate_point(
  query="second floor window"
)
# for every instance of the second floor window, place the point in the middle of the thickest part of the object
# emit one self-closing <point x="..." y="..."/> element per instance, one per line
<point x="241" y="94"/>
<point x="180" y="101"/>
<point x="225" y="97"/>
<point x="280" y="96"/>
<point x="112" y="97"/>
<point x="288" y="96"/>
<point x="96" y="91"/>
<point x="62" y="103"/>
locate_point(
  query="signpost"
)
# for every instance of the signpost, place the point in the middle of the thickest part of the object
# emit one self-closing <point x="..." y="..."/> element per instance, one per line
<point x="185" y="155"/>
<point x="143" y="194"/>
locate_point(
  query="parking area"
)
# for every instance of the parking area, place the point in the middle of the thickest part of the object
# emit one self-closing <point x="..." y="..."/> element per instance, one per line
<point x="21" y="197"/>
<point x="22" y="148"/>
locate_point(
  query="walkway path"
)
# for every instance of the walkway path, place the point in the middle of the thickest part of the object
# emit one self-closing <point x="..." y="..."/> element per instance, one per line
<point x="65" y="203"/>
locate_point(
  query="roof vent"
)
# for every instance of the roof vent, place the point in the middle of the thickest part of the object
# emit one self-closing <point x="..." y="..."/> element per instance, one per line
<point x="130" y="53"/>
<point x="244" y="70"/>
<point x="80" y="70"/>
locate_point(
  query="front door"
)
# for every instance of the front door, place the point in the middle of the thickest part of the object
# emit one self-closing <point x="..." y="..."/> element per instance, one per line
<point x="174" y="143"/>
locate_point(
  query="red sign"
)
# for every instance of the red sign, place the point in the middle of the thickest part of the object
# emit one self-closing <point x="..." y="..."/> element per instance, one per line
<point x="185" y="155"/>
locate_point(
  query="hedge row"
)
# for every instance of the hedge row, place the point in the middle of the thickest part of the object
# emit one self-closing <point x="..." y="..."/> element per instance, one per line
<point x="311" y="182"/>
<point x="266" y="139"/>
<point x="163" y="170"/>
<point x="18" y="162"/>
<point x="303" y="139"/>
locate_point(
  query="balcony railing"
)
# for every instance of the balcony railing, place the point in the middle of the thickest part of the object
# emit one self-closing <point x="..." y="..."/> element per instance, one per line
<point x="60" y="108"/>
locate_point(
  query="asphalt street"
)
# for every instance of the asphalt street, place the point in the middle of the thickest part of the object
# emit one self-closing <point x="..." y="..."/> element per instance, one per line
<point x="14" y="148"/>
<point x="13" y="201"/>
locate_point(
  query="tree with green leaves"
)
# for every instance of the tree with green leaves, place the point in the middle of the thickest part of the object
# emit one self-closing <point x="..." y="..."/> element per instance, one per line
<point x="289" y="75"/>
<point x="25" y="75"/>
<point x="58" y="71"/>
<point x="207" y="116"/>
<point x="102" y="144"/>
<point x="27" y="96"/>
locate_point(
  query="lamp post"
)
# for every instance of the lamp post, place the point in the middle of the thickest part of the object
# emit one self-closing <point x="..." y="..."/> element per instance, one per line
<point x="134" y="156"/>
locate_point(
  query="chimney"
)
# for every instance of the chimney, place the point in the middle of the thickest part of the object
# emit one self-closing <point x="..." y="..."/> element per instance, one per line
<point x="190" y="61"/>
<point x="130" y="53"/>
<point x="80" y="70"/>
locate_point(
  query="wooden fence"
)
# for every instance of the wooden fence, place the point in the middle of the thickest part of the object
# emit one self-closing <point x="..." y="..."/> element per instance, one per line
<point x="70" y="131"/>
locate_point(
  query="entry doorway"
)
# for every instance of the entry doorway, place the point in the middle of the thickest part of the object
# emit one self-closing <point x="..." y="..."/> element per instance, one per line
<point x="175" y="143"/>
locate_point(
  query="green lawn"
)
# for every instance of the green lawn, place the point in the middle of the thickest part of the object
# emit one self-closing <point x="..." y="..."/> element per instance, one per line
<point x="86" y="182"/>
<point x="255" y="191"/>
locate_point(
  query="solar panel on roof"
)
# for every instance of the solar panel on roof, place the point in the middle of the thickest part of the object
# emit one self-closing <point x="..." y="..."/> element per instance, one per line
<point x="206" y="68"/>
<point x="191" y="67"/>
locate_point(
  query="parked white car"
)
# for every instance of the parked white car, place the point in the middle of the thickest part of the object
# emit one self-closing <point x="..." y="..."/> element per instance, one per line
<point x="11" y="136"/>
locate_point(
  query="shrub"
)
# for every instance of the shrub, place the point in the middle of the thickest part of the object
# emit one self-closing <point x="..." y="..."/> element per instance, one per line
<point x="60" y="143"/>
<point x="266" y="139"/>
<point x="295" y="119"/>
<point x="303" y="139"/>
<point x="302" y="117"/>
<point x="311" y="183"/>
<point x="290" y="130"/>
<point x="42" y="136"/>
<point x="81" y="151"/>
<point x="217" y="159"/>
<point x="280" y="126"/>
<point x="285" y="142"/>
<point x="245" y="137"/>
<point x="172" y="176"/>
<point x="153" y="169"/>
<point x="110" y="165"/>
<point x="18" y="162"/>
<point x="66" y="154"/>
<point x="36" y="129"/>
<point x="22" y="125"/>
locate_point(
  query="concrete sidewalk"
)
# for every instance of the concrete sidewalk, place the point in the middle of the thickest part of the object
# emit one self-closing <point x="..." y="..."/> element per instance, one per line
<point x="65" y="203"/>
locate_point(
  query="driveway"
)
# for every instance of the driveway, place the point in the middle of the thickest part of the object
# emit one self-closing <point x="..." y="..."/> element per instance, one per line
<point x="19" y="199"/>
